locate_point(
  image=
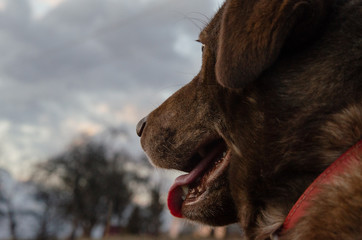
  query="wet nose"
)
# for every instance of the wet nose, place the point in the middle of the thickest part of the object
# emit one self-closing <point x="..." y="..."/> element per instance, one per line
<point x="140" y="126"/>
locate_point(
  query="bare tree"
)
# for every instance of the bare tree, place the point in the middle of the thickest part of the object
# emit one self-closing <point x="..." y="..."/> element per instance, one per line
<point x="155" y="210"/>
<point x="95" y="181"/>
<point x="50" y="219"/>
<point x="136" y="221"/>
<point x="147" y="219"/>
<point x="12" y="220"/>
<point x="8" y="210"/>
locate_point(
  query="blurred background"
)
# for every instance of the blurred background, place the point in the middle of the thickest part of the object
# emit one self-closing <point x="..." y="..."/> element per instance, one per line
<point x="75" y="78"/>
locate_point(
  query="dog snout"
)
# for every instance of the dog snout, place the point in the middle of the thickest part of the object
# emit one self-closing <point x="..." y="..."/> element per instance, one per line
<point x="140" y="126"/>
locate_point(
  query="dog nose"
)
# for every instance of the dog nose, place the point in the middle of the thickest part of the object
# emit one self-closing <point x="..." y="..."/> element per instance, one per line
<point x="140" y="126"/>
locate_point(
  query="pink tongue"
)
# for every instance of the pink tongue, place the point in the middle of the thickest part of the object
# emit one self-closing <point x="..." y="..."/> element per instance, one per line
<point x="174" y="199"/>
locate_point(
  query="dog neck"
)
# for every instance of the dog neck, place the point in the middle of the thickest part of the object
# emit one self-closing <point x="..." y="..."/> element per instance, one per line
<point x="338" y="167"/>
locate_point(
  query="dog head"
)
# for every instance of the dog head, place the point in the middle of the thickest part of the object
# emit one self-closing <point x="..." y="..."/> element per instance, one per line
<point x="214" y="127"/>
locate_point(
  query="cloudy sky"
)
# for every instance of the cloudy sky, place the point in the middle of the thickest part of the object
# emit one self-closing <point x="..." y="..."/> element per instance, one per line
<point x="82" y="66"/>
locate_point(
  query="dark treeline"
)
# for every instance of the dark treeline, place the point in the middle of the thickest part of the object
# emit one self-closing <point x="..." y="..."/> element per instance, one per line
<point x="88" y="186"/>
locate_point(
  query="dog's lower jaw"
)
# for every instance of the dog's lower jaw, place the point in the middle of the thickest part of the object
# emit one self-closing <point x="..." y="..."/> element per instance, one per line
<point x="217" y="209"/>
<point x="203" y="194"/>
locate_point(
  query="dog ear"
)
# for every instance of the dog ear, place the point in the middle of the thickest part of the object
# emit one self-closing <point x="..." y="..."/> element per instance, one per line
<point x="253" y="33"/>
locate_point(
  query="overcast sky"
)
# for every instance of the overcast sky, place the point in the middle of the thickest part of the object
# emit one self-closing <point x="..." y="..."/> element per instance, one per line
<point x="81" y="66"/>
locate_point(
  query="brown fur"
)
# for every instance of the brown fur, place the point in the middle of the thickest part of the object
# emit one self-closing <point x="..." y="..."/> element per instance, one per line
<point x="335" y="213"/>
<point x="281" y="84"/>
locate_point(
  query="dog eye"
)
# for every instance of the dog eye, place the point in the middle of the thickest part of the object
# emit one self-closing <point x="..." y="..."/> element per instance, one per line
<point x="202" y="46"/>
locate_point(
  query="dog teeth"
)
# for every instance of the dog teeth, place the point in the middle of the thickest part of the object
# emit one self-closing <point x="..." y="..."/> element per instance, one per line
<point x="220" y="159"/>
<point x="185" y="189"/>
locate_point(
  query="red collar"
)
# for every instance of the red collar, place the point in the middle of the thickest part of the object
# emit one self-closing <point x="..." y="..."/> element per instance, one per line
<point x="336" y="168"/>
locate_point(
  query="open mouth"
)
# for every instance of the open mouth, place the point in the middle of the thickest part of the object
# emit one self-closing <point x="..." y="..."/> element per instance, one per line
<point x="190" y="189"/>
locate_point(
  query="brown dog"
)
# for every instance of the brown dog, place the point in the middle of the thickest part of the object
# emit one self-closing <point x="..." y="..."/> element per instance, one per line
<point x="278" y="100"/>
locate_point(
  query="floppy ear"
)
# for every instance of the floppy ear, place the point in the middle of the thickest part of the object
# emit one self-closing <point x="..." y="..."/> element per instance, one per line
<point x="253" y="32"/>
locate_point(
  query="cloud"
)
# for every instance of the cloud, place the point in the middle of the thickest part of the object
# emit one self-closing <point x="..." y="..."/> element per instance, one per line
<point x="42" y="7"/>
<point x="83" y="65"/>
